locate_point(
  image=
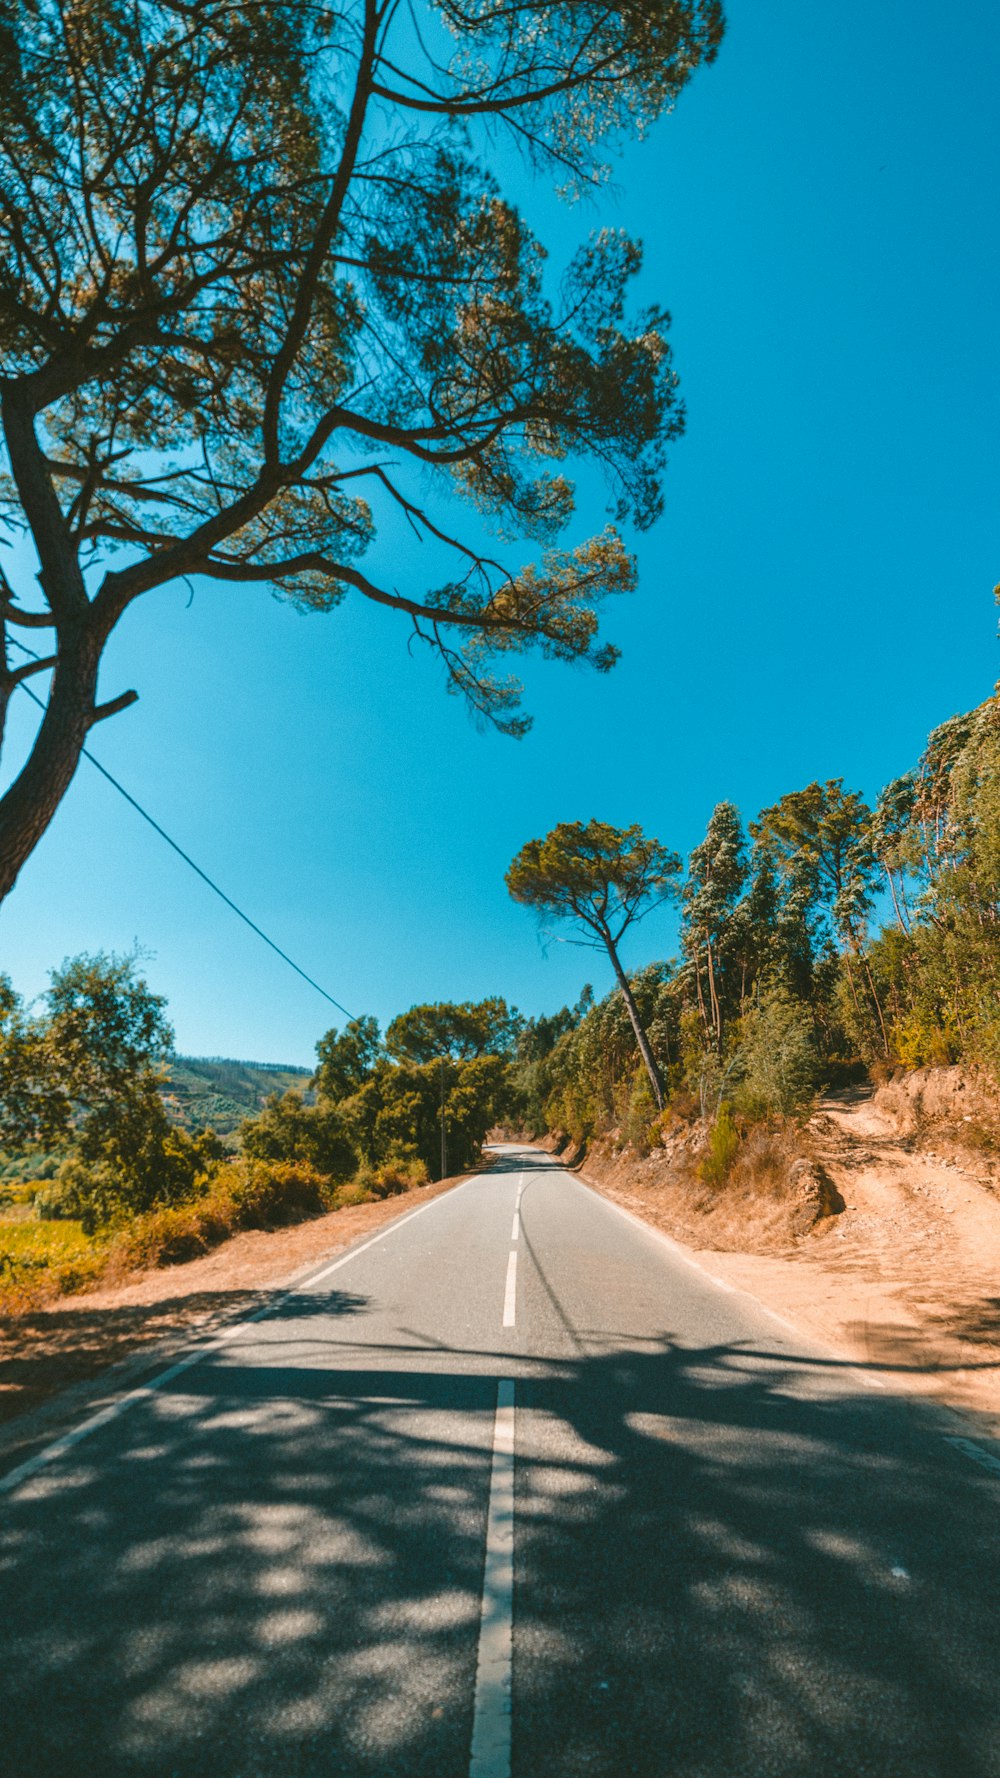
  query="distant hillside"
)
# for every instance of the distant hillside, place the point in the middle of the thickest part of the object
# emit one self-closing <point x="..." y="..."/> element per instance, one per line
<point x="221" y="1092"/>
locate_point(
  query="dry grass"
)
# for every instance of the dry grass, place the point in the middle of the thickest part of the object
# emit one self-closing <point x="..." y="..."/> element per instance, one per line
<point x="43" y="1261"/>
<point x="751" y="1210"/>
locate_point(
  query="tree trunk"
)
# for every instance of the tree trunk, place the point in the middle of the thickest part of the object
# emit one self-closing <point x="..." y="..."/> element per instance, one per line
<point x="878" y="1004"/>
<point x="35" y="795"/>
<point x="903" y="924"/>
<point x="697" y="985"/>
<point x="640" y="1036"/>
<point x="713" y="996"/>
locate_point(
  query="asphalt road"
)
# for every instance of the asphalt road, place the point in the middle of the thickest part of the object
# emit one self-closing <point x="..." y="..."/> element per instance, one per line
<point x="732" y="1556"/>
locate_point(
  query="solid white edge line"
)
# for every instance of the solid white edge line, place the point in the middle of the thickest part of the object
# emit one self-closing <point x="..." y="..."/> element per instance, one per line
<point x="731" y="1289"/>
<point x="967" y="1446"/>
<point x="489" y="1756"/>
<point x="114" y="1409"/>
<point x="510" y="1291"/>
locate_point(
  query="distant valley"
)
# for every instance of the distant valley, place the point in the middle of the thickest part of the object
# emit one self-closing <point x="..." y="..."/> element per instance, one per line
<point x="216" y="1091"/>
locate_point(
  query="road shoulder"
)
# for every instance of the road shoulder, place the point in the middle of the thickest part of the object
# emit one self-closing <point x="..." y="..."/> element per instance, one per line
<point x="67" y="1360"/>
<point x="870" y="1320"/>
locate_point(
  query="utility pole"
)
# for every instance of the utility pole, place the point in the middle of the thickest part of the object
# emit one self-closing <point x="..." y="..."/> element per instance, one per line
<point x="444" y="1128"/>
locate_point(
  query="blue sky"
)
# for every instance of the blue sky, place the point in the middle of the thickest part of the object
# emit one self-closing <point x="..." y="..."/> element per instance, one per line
<point x="820" y="216"/>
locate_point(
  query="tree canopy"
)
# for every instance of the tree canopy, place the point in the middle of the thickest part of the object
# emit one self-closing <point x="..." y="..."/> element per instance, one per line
<point x="345" y="1059"/>
<point x="260" y="285"/>
<point x="471" y="1028"/>
<point x="603" y="879"/>
<point x="102" y="1030"/>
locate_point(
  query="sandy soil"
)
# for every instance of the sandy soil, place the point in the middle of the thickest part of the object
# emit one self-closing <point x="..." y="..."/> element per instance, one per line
<point x="49" y="1358"/>
<point x="906" y="1279"/>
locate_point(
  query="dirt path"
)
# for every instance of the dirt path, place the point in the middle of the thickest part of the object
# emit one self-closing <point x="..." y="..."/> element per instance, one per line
<point x="906" y="1279"/>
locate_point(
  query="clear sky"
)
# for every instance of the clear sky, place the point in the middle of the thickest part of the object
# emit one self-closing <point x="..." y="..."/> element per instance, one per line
<point x="820" y="215"/>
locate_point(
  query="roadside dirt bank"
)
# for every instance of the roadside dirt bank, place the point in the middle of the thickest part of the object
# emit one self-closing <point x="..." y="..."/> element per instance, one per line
<point x="50" y="1357"/>
<point x="905" y="1278"/>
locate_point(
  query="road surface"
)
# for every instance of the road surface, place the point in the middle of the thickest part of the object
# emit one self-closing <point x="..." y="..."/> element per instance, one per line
<point x="509" y="1489"/>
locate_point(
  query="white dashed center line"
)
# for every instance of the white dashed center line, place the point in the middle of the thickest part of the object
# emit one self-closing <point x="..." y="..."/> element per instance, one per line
<point x="490" y="1756"/>
<point x="510" y="1294"/>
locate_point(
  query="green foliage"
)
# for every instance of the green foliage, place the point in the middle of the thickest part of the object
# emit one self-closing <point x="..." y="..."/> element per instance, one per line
<point x="598" y="877"/>
<point x="591" y="1069"/>
<point x="39" y="1260"/>
<point x="601" y="879"/>
<point x="820" y="841"/>
<point x="241" y="1195"/>
<point x="130" y="1159"/>
<point x="781" y="982"/>
<point x="390" y="1178"/>
<point x="32" y="1164"/>
<point x="396" y="1116"/>
<point x="86" y="1071"/>
<point x="32" y="1109"/>
<point x="270" y="1193"/>
<point x="723" y="1147"/>
<point x="103" y="1030"/>
<point x="474" y="1028"/>
<point x="716" y="875"/>
<point x="639" y="1119"/>
<point x="315" y="1136"/>
<point x="346" y="1059"/>
<point x="214" y="312"/>
<point x="778" y="1064"/>
<point x="533" y="1074"/>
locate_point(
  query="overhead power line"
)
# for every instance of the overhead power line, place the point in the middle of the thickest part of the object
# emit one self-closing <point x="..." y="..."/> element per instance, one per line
<point x="172" y="843"/>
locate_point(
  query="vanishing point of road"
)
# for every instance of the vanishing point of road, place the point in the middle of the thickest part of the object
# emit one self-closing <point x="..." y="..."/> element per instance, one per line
<point x="510" y="1490"/>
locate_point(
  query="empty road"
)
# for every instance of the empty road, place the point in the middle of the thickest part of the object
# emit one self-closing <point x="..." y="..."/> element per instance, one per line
<point x="508" y="1491"/>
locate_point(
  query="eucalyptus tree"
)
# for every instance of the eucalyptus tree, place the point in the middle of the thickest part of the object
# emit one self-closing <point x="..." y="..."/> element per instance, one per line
<point x="820" y="840"/>
<point x="716" y="875"/>
<point x="261" y="286"/>
<point x="602" y="879"/>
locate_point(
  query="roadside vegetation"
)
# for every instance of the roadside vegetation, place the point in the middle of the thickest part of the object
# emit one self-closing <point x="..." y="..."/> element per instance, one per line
<point x="828" y="942"/>
<point x="825" y="943"/>
<point x="99" y="1176"/>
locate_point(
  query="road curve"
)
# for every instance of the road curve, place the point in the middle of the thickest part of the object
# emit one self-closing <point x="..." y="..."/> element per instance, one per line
<point x="509" y="1491"/>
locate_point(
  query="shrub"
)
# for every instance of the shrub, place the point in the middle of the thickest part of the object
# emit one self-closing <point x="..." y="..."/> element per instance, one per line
<point x="639" y="1119"/>
<point x="169" y="1237"/>
<point x="270" y="1194"/>
<point x="778" y="1063"/>
<point x="131" y="1159"/>
<point x="56" y="1201"/>
<point x="314" y="1136"/>
<point x="347" y="1196"/>
<point x="39" y="1261"/>
<point x="242" y="1195"/>
<point x="723" y="1147"/>
<point x="392" y="1177"/>
<point x="761" y="1167"/>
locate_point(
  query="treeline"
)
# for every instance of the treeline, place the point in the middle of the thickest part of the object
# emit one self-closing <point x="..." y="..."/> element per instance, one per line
<point x="85" y="1108"/>
<point x="825" y="937"/>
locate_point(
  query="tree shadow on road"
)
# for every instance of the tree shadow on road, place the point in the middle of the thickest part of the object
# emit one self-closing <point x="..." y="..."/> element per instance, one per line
<point x="58" y="1348"/>
<point x="727" y="1564"/>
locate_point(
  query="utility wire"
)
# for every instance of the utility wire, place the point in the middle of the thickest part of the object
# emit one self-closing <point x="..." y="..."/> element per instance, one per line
<point x="155" y="825"/>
